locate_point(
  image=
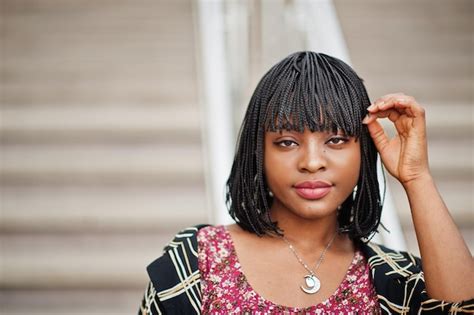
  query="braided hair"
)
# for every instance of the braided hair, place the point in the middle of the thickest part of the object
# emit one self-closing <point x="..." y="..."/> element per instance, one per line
<point x="304" y="90"/>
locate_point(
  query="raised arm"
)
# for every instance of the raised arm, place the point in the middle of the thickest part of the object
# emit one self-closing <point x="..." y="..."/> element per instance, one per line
<point x="447" y="263"/>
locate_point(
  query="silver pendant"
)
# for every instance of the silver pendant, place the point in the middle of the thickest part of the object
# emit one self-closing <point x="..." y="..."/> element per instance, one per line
<point x="312" y="284"/>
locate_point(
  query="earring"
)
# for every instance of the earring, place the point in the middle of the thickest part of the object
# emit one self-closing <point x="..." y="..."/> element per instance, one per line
<point x="270" y="193"/>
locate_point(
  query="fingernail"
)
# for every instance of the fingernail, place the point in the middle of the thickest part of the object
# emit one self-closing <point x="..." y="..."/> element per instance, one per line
<point x="366" y="119"/>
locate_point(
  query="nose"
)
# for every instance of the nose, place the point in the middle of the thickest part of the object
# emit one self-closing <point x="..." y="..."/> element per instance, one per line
<point x="312" y="159"/>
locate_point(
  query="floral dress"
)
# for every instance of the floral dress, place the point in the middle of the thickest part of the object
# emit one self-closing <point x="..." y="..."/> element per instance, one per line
<point x="225" y="288"/>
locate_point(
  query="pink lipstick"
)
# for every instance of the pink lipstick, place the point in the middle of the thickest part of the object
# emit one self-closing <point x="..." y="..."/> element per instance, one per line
<point x="313" y="190"/>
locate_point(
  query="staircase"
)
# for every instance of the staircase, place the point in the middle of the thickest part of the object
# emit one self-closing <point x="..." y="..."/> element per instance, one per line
<point x="100" y="150"/>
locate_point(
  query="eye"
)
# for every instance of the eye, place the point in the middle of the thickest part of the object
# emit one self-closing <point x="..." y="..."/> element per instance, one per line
<point x="286" y="143"/>
<point x="337" y="140"/>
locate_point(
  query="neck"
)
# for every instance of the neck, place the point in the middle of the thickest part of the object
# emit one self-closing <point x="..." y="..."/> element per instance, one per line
<point x="307" y="234"/>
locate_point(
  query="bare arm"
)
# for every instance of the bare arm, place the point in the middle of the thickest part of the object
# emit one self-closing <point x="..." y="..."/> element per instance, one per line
<point x="447" y="263"/>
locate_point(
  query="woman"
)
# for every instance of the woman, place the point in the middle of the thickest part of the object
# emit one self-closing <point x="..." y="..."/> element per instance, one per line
<point x="303" y="191"/>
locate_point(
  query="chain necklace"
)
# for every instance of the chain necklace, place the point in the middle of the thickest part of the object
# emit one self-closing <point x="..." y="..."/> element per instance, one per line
<point x="313" y="284"/>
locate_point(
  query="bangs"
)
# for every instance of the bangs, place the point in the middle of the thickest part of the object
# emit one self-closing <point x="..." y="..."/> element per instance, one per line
<point x="317" y="92"/>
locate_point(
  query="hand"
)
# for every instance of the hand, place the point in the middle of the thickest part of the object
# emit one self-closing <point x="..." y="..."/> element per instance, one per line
<point x="405" y="156"/>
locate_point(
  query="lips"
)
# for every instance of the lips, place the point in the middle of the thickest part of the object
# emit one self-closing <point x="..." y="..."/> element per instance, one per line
<point x="313" y="190"/>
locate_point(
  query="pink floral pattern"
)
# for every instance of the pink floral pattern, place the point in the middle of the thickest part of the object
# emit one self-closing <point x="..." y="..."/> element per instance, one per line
<point x="225" y="289"/>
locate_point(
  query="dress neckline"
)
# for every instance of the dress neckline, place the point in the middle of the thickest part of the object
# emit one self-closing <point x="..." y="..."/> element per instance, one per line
<point x="331" y="299"/>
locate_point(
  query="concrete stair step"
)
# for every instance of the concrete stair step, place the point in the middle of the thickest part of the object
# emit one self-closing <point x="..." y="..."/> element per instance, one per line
<point x="84" y="117"/>
<point x="81" y="260"/>
<point x="71" y="302"/>
<point x="179" y="91"/>
<point x="99" y="124"/>
<point x="147" y="163"/>
<point x="451" y="159"/>
<point x="98" y="24"/>
<point x="140" y="8"/>
<point x="96" y="68"/>
<point x="422" y="16"/>
<point x="420" y="64"/>
<point x="99" y="209"/>
<point x="448" y="120"/>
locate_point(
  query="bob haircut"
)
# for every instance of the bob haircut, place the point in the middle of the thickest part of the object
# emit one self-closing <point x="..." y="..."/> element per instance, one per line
<point x="304" y="90"/>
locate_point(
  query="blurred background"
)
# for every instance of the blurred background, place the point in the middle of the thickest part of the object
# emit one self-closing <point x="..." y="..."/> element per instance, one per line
<point x="106" y="129"/>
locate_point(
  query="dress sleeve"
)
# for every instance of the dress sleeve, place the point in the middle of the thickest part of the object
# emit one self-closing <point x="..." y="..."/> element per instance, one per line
<point x="400" y="284"/>
<point x="432" y="306"/>
<point x="427" y="305"/>
<point x="150" y="304"/>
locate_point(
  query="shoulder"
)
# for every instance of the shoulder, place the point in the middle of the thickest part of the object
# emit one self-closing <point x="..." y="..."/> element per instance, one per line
<point x="380" y="257"/>
<point x="400" y="285"/>
<point x="174" y="276"/>
<point x="392" y="268"/>
<point x="183" y="245"/>
<point x="184" y="237"/>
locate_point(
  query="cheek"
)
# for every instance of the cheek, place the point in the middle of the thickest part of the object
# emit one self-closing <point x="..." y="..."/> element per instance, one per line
<point x="277" y="168"/>
<point x="274" y="169"/>
<point x="346" y="164"/>
<point x="352" y="167"/>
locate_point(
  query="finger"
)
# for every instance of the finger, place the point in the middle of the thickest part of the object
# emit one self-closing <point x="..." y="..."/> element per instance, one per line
<point x="401" y="107"/>
<point x="381" y="100"/>
<point x="391" y="114"/>
<point x="402" y="102"/>
<point x="385" y="101"/>
<point x="404" y="106"/>
<point x="378" y="135"/>
<point x="393" y="96"/>
<point x="386" y="97"/>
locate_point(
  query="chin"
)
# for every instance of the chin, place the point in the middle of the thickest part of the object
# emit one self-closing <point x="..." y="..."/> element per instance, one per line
<point x="314" y="213"/>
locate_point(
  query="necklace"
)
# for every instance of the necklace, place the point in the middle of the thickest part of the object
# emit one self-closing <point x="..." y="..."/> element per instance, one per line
<point x="313" y="284"/>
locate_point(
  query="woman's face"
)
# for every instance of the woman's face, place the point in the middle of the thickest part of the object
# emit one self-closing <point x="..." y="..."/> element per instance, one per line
<point x="311" y="173"/>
